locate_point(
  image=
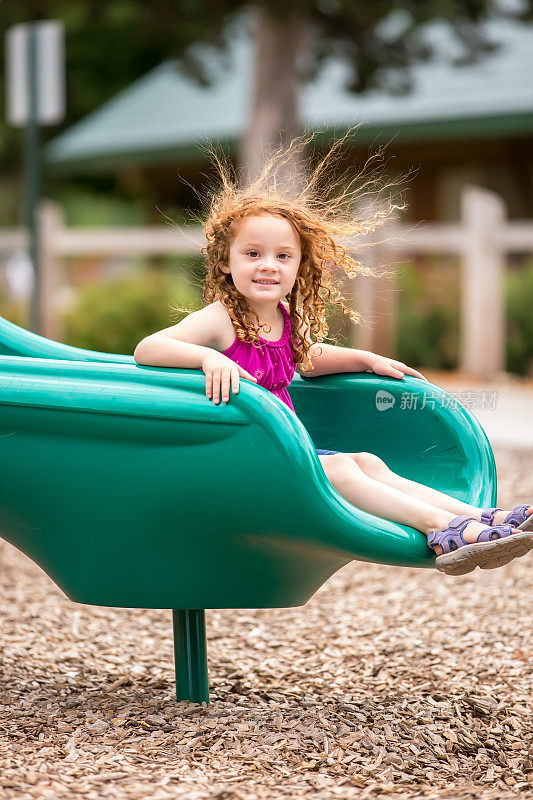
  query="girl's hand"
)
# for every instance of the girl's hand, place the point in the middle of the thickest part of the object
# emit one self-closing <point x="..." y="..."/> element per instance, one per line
<point x="382" y="365"/>
<point x="220" y="371"/>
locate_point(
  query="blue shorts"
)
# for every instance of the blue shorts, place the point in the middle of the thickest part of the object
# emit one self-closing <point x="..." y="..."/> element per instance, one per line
<point x="326" y="452"/>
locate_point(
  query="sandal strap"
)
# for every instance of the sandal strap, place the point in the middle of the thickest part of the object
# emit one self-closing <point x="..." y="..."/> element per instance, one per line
<point x="488" y="515"/>
<point x="500" y="531"/>
<point x="450" y="536"/>
<point x="517" y="515"/>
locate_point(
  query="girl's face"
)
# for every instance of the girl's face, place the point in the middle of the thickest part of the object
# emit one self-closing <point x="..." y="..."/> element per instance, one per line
<point x="264" y="258"/>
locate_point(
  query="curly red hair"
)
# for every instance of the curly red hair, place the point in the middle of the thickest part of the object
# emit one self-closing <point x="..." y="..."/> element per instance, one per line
<point x="322" y="212"/>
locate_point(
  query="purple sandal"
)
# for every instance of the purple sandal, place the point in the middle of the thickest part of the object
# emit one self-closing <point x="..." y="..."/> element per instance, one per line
<point x="494" y="546"/>
<point x="516" y="517"/>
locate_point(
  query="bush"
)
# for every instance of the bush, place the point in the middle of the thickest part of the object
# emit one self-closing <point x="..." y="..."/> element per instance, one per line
<point x="519" y="315"/>
<point x="113" y="316"/>
<point x="428" y="315"/>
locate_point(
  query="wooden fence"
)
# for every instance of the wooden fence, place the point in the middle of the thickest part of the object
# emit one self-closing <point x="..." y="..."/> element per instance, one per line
<point x="482" y="239"/>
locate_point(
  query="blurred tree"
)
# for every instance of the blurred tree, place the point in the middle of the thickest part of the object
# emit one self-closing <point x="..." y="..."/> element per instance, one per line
<point x="111" y="42"/>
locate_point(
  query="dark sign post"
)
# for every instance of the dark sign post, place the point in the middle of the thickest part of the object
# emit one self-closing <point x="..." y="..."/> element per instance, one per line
<point x="35" y="72"/>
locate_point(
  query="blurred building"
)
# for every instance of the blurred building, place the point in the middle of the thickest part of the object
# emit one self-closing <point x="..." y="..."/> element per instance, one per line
<point x="470" y="123"/>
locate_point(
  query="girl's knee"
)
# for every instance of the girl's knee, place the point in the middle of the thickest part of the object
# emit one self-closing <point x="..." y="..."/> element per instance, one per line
<point x="370" y="464"/>
<point x="339" y="464"/>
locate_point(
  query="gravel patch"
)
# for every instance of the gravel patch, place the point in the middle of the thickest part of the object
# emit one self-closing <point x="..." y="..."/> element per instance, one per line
<point x="390" y="682"/>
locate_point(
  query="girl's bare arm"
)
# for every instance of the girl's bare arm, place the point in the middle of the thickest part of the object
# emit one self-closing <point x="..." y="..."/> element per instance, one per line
<point x="183" y="345"/>
<point x="328" y="359"/>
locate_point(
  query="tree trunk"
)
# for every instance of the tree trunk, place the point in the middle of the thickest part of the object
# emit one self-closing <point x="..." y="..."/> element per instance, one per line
<point x="281" y="48"/>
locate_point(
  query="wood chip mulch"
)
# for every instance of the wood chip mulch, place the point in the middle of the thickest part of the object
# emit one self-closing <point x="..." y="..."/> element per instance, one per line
<point x="390" y="682"/>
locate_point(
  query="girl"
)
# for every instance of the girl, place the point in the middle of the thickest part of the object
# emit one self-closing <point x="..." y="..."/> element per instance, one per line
<point x="265" y="244"/>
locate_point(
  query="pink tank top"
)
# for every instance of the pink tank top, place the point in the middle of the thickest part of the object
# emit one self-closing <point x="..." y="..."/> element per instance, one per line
<point x="272" y="364"/>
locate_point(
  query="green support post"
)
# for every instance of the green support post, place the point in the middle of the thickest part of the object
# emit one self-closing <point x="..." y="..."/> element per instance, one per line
<point x="190" y="655"/>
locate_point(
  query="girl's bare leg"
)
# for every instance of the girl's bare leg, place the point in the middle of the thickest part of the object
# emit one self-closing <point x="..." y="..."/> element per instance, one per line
<point x="379" y="499"/>
<point x="388" y="502"/>
<point x="375" y="468"/>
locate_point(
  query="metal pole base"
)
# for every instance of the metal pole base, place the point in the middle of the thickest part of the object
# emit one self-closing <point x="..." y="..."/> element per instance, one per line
<point x="190" y="655"/>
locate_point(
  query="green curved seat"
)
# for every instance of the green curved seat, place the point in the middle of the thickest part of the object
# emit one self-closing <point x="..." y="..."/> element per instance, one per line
<point x="129" y="488"/>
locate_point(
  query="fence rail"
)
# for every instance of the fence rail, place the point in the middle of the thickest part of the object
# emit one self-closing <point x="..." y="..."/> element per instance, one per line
<point x="482" y="239"/>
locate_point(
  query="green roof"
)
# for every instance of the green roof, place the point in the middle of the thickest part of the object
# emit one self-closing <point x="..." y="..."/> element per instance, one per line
<point x="165" y="115"/>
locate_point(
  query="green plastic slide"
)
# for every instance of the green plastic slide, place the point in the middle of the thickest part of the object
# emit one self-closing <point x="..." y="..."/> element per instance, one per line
<point x="130" y="488"/>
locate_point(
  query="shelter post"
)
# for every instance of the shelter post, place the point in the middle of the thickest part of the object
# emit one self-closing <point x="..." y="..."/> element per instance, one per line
<point x="482" y="327"/>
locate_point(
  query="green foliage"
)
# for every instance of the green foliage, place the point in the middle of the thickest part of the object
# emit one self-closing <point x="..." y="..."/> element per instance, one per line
<point x="428" y="316"/>
<point x="519" y="311"/>
<point x="114" y="315"/>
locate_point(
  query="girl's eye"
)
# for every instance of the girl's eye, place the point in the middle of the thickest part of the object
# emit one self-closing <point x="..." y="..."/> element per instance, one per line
<point x="254" y="253"/>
